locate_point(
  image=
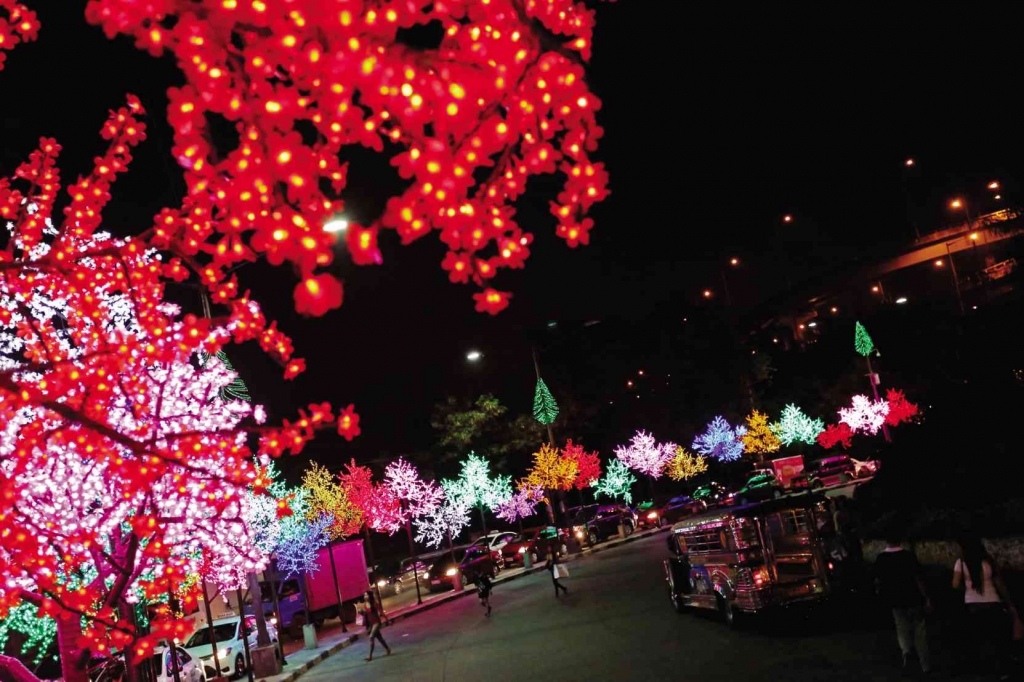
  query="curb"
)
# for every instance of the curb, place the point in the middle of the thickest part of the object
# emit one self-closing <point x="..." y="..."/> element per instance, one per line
<point x="391" y="620"/>
<point x="313" y="662"/>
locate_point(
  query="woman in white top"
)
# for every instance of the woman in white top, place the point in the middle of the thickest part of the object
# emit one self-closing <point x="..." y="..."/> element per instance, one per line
<point x="990" y="616"/>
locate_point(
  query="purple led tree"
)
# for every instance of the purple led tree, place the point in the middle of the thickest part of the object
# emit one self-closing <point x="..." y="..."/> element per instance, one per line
<point x="721" y="441"/>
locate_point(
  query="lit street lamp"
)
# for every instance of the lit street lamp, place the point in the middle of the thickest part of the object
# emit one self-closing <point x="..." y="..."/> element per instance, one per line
<point x="474" y="355"/>
<point x="336" y="225"/>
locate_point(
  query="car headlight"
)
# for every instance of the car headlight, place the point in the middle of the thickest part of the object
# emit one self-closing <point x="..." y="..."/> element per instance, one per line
<point x="451" y="571"/>
<point x="224" y="653"/>
<point x="382" y="583"/>
<point x="426" y="576"/>
<point x="273" y="621"/>
<point x="522" y="550"/>
<point x="579" y="534"/>
<point x="652" y="515"/>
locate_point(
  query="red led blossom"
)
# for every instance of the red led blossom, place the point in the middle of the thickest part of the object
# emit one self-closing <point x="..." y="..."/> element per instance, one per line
<point x="294" y="368"/>
<point x="18" y="24"/>
<point x="317" y="294"/>
<point x="467" y="122"/>
<point x="491" y="301"/>
<point x="348" y="423"/>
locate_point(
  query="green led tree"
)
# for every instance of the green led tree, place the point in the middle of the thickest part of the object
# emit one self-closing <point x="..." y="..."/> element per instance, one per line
<point x="862" y="342"/>
<point x="617" y="482"/>
<point x="545" y="409"/>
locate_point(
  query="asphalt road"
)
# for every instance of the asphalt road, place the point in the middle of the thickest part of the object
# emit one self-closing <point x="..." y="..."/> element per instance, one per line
<point x="616" y="624"/>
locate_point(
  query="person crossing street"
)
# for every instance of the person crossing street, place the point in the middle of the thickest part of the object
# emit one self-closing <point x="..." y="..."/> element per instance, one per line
<point x="557" y="571"/>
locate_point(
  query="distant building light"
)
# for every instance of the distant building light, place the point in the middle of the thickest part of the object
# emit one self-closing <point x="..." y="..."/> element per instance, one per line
<point x="901" y="300"/>
<point x="775" y="340"/>
<point x="834" y="310"/>
<point x="875" y="289"/>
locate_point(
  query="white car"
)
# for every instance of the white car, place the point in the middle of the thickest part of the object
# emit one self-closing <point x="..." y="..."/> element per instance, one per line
<point x="494" y="541"/>
<point x="865" y="469"/>
<point x="190" y="668"/>
<point x="230" y="648"/>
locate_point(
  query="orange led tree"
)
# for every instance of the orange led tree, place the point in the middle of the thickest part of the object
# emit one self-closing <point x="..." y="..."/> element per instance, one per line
<point x="467" y="119"/>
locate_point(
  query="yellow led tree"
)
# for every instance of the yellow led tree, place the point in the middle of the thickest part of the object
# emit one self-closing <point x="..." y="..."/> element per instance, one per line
<point x="326" y="497"/>
<point x="550" y="470"/>
<point x="685" y="465"/>
<point x="759" y="440"/>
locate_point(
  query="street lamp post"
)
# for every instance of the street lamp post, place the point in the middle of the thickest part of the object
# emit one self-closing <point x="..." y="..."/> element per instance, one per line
<point x="956" y="279"/>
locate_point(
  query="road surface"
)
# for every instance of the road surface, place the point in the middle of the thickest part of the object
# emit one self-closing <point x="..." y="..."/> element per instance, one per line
<point x="615" y="624"/>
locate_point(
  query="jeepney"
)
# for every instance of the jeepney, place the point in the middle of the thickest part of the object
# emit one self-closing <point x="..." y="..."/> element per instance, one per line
<point x="750" y="558"/>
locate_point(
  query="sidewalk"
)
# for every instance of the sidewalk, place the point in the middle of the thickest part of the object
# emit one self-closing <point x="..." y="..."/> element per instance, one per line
<point x="299" y="662"/>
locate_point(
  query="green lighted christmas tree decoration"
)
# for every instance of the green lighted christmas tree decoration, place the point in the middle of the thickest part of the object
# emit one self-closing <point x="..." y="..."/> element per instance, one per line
<point x="236" y="390"/>
<point x="861" y="341"/>
<point x="545" y="409"/>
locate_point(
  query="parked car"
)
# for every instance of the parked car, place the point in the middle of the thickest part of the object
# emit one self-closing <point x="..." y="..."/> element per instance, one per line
<point x="666" y="510"/>
<point x="535" y="541"/>
<point x="228" y="633"/>
<point x="751" y="558"/>
<point x="866" y="468"/>
<point x="469" y="562"/>
<point x="826" y="472"/>
<point x="712" y="494"/>
<point x="395" y="577"/>
<point x="495" y="541"/>
<point x="594" y="523"/>
<point x="761" y="486"/>
<point x="190" y="669"/>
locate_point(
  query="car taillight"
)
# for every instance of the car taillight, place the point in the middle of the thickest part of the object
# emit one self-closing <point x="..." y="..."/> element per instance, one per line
<point x="830" y="566"/>
<point x="652" y="515"/>
<point x="760" y="577"/>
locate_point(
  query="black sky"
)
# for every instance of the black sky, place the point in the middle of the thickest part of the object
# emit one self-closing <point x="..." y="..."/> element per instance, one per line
<point x="717" y="123"/>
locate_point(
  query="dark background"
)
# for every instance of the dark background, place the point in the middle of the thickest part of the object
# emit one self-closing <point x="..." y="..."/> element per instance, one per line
<point x="716" y="124"/>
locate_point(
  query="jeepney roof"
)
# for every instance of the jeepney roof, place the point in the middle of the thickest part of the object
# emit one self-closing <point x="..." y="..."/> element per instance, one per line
<point x="723" y="515"/>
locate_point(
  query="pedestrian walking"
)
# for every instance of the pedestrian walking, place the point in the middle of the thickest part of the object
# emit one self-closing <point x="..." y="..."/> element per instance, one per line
<point x="372" y="621"/>
<point x="991" y="617"/>
<point x="483" y="590"/>
<point x="900" y="585"/>
<point x="557" y="571"/>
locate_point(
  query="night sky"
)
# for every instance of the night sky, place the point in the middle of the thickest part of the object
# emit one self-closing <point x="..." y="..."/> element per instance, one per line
<point x="716" y="124"/>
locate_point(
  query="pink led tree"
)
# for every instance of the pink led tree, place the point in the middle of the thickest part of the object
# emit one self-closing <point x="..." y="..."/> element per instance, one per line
<point x="645" y="455"/>
<point x="864" y="415"/>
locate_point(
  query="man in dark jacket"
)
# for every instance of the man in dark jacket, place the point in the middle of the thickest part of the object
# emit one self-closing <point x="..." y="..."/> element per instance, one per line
<point x="898" y="576"/>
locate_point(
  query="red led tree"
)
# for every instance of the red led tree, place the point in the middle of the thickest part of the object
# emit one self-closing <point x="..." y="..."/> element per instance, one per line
<point x="90" y="343"/>
<point x="499" y="97"/>
<point x="588" y="464"/>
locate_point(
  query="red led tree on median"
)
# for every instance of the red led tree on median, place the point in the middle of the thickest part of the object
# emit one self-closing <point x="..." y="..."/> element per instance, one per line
<point x="501" y="99"/>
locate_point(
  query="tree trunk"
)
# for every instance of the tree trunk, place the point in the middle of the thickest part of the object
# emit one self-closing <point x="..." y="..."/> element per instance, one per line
<point x="133" y="673"/>
<point x="72" y="657"/>
<point x="262" y="635"/>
